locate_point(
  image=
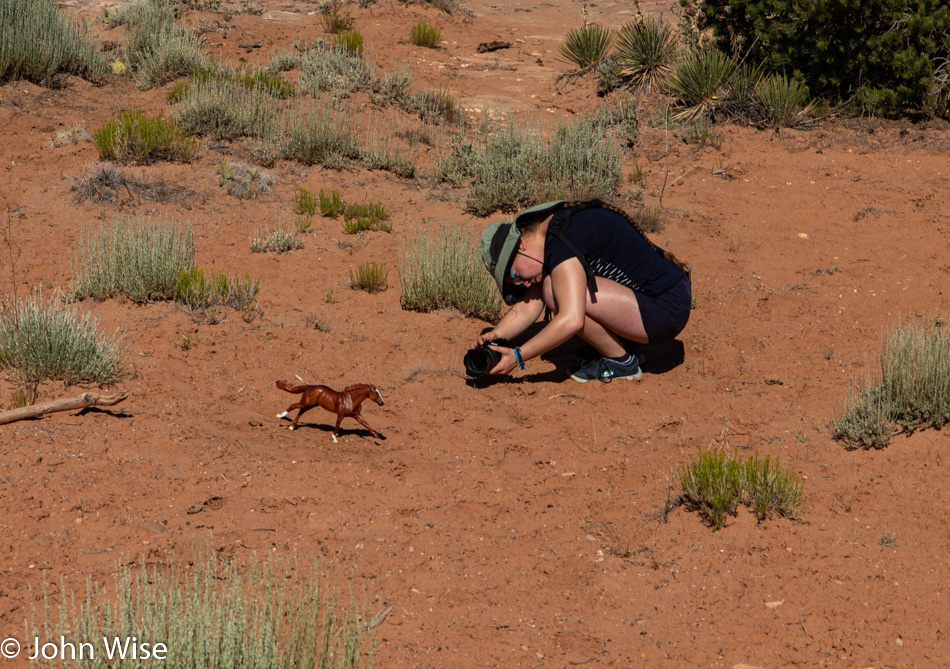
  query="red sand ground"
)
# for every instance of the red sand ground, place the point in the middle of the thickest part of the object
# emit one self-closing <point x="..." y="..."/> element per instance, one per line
<point x="515" y="524"/>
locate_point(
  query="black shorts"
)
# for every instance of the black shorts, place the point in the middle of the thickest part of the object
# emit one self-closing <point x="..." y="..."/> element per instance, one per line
<point x="665" y="316"/>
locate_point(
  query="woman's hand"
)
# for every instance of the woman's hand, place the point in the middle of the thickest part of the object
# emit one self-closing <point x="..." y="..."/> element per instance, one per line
<point x="507" y="363"/>
<point x="487" y="337"/>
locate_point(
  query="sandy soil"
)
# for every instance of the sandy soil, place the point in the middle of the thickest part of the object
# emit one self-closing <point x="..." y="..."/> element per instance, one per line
<point x="517" y="523"/>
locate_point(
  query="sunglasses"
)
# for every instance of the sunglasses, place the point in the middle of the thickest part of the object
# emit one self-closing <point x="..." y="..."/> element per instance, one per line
<point x="511" y="270"/>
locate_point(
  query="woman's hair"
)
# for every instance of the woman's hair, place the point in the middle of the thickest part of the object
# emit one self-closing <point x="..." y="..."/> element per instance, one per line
<point x="530" y="222"/>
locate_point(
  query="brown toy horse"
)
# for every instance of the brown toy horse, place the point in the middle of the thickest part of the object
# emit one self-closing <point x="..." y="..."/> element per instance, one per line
<point x="343" y="404"/>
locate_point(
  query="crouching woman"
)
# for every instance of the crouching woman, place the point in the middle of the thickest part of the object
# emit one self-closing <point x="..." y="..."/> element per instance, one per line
<point x="599" y="276"/>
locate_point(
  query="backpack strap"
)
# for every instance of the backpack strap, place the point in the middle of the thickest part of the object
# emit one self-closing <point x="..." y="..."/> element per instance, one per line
<point x="564" y="221"/>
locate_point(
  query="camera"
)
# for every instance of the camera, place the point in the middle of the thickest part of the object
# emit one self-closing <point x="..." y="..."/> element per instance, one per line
<point x="481" y="360"/>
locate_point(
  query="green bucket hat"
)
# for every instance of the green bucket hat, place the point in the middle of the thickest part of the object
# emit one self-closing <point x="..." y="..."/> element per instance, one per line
<point x="499" y="242"/>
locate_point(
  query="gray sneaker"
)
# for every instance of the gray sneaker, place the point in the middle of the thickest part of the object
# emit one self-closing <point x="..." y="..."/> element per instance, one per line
<point x="606" y="370"/>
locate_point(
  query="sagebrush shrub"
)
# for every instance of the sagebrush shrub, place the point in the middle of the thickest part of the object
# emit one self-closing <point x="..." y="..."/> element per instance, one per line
<point x="37" y="42"/>
<point x="320" y="136"/>
<point x="138" y="258"/>
<point x="44" y="339"/>
<point x="222" y="109"/>
<point x="442" y="270"/>
<point x="157" y="48"/>
<point x="911" y="391"/>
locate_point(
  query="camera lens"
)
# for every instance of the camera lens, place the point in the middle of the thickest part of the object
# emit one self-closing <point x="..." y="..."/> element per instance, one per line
<point x="480" y="361"/>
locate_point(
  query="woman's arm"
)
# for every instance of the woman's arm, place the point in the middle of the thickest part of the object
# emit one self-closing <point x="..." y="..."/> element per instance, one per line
<point x="569" y="285"/>
<point x="518" y="319"/>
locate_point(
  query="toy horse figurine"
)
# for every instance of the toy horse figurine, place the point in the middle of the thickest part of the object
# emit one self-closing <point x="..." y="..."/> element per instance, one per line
<point x="343" y="404"/>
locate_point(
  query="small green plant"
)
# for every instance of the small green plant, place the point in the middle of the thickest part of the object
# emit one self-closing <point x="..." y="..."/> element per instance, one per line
<point x="350" y="41"/>
<point x="178" y="92"/>
<point x="646" y="51"/>
<point x="200" y="293"/>
<point x="305" y="202"/>
<point x="829" y="353"/>
<point x="303" y="223"/>
<point x="133" y="137"/>
<point x="888" y="539"/>
<point x="650" y="219"/>
<point x="444" y="270"/>
<point x="363" y="217"/>
<point x="244" y="181"/>
<point x="716" y="483"/>
<point x="331" y="204"/>
<point x="586" y="46"/>
<point x="701" y="133"/>
<point x="911" y="391"/>
<point x="137" y="258"/>
<point x="422" y="34"/>
<point x="329" y="297"/>
<point x="246" y="611"/>
<point x="280" y="240"/>
<point x="369" y="277"/>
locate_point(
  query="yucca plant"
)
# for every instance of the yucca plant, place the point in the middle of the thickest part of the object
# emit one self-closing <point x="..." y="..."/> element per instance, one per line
<point x="586" y="46"/>
<point x="422" y="34"/>
<point x="784" y="101"/>
<point x="700" y="81"/>
<point x="646" y="50"/>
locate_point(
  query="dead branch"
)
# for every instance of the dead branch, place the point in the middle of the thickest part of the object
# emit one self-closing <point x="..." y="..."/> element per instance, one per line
<point x="83" y="401"/>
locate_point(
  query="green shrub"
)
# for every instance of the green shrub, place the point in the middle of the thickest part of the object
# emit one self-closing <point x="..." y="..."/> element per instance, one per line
<point x="646" y="51"/>
<point x="244" y="181"/>
<point x="331" y="204"/>
<point x="44" y="339"/>
<point x="912" y="391"/>
<point x="586" y="46"/>
<point x="351" y="41"/>
<point x="320" y="136"/>
<point x="396" y="81"/>
<point x="219" y="612"/>
<point x="199" y="293"/>
<point x="156" y="48"/>
<point x="422" y="34"/>
<point x="514" y="166"/>
<point x="715" y="484"/>
<point x="137" y="258"/>
<point x="36" y="43"/>
<point x="283" y="61"/>
<point x="131" y="136"/>
<point x="280" y="240"/>
<point x="226" y="110"/>
<point x="363" y="217"/>
<point x="259" y="79"/>
<point x="305" y="202"/>
<point x="178" y="92"/>
<point x="444" y="271"/>
<point x="434" y="104"/>
<point x="369" y="277"/>
<point x="835" y="48"/>
<point x="701" y="82"/>
<point x="608" y="75"/>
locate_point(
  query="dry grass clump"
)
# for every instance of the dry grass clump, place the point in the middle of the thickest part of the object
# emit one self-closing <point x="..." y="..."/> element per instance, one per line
<point x="243" y="181"/>
<point x="106" y="183"/>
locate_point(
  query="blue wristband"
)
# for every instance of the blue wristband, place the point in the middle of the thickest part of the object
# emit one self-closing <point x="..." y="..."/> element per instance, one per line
<point x="518" y="357"/>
